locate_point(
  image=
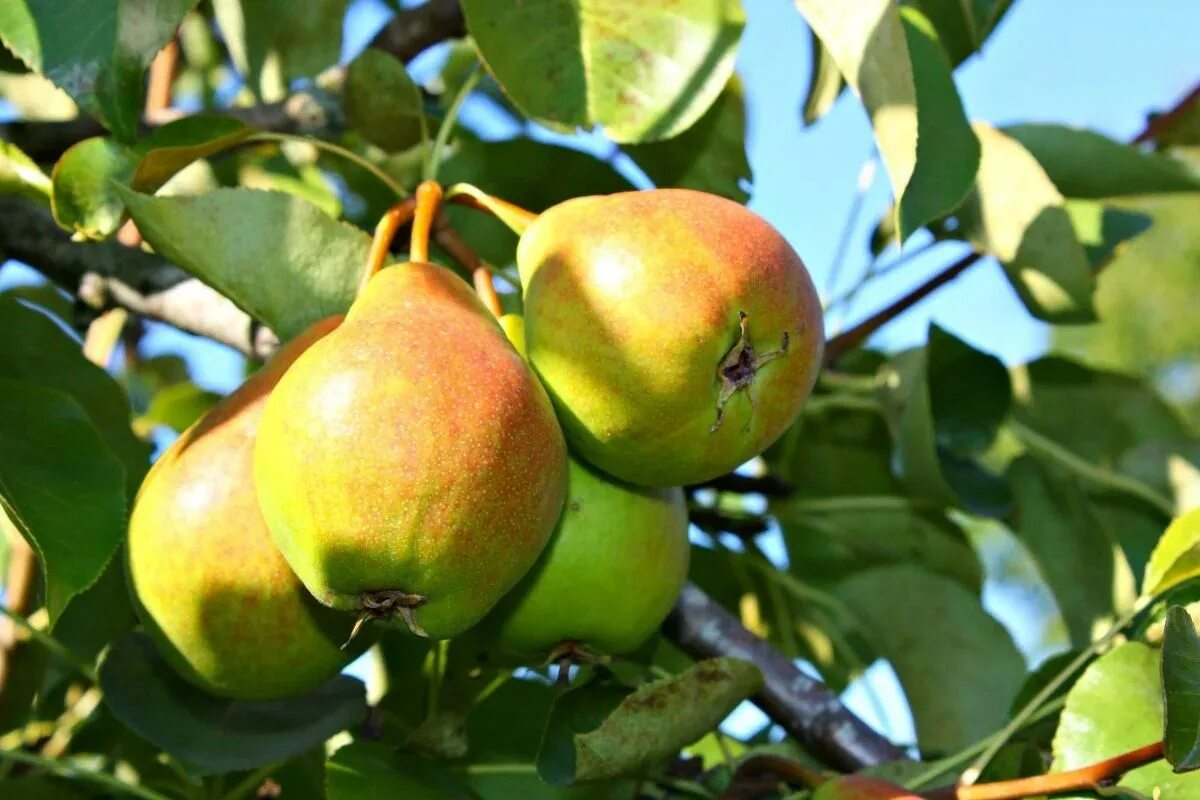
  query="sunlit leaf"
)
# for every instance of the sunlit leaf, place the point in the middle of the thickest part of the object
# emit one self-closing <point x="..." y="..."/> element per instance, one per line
<point x="636" y="72"/>
<point x="284" y="261"/>
<point x="1114" y="707"/>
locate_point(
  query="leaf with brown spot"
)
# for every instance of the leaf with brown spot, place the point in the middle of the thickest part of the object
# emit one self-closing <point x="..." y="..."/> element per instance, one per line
<point x="602" y="730"/>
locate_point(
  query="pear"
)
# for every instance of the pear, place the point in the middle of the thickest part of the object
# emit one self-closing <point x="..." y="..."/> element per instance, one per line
<point x="410" y="463"/>
<point x="210" y="586"/>
<point x="614" y="567"/>
<point x="861" y="787"/>
<point x="677" y="332"/>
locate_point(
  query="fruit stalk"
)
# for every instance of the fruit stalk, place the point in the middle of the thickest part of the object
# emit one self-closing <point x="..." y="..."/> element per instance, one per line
<point x="429" y="202"/>
<point x="385" y="232"/>
<point x="481" y="271"/>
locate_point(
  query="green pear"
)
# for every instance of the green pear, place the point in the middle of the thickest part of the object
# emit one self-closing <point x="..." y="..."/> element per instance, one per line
<point x="614" y="567"/>
<point x="677" y="332"/>
<point x="410" y="463"/>
<point x="210" y="586"/>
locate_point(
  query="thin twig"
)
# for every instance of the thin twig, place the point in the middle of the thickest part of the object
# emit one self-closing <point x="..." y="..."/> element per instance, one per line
<point x="844" y="342"/>
<point x="1160" y="122"/>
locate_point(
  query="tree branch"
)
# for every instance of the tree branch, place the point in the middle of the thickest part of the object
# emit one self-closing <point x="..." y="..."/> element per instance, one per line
<point x="804" y="706"/>
<point x="415" y="30"/>
<point x="108" y="275"/>
<point x="844" y="342"/>
<point x="1158" y="123"/>
<point x="308" y="113"/>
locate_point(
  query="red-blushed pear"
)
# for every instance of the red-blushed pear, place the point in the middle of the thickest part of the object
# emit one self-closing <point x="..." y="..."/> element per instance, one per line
<point x="211" y="588"/>
<point x="861" y="787"/>
<point x="614" y="567"/>
<point x="410" y="463"/>
<point x="676" y="331"/>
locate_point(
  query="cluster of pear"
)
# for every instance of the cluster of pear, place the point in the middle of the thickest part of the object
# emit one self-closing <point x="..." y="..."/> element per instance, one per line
<point x="411" y="460"/>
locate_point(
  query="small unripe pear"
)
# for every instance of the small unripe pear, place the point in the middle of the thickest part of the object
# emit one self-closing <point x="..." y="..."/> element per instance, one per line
<point x="614" y="567"/>
<point x="211" y="588"/>
<point x="677" y="332"/>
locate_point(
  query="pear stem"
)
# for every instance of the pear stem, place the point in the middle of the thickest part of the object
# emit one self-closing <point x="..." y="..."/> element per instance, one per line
<point x="385" y="232"/>
<point x="516" y="218"/>
<point x="429" y="201"/>
<point x="481" y="271"/>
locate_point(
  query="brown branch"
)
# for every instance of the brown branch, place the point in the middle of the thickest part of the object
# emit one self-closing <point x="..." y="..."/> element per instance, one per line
<point x="162" y="75"/>
<point x="803" y="706"/>
<point x="109" y="275"/>
<point x="712" y="520"/>
<point x="307" y="113"/>
<point x="844" y="342"/>
<point x="417" y="29"/>
<point x="19" y="598"/>
<point x="1158" y="123"/>
<point x="766" y="485"/>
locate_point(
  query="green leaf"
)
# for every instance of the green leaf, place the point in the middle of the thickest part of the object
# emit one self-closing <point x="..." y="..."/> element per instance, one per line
<point x="273" y="42"/>
<point x="895" y="64"/>
<point x="212" y="735"/>
<point x="94" y="50"/>
<point x="505" y="731"/>
<point x="85" y="199"/>
<point x="955" y="25"/>
<point x="948" y="152"/>
<point x="825" y="82"/>
<point x="946" y="403"/>
<point x="526" y="172"/>
<point x="1114" y="707"/>
<point x="1082" y="163"/>
<point x="1017" y="215"/>
<point x="604" y="731"/>
<point x="372" y="771"/>
<point x="284" y="261"/>
<point x="1076" y="554"/>
<point x="38" y="351"/>
<point x="19" y="175"/>
<point x="1103" y="230"/>
<point x="171" y="147"/>
<point x="826" y="546"/>
<point x="177" y="407"/>
<point x="61" y="486"/>
<point x="1176" y="558"/>
<point x="952" y="708"/>
<point x="382" y="101"/>
<point x="636" y="72"/>
<point x="710" y="156"/>
<point x="1181" y="691"/>
<point x="833" y="451"/>
<point x="1096" y="414"/>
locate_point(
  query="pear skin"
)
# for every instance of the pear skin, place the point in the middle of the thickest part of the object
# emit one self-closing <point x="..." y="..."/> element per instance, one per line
<point x="210" y="586"/>
<point x="677" y="332"/>
<point x="614" y="567"/>
<point x="410" y="463"/>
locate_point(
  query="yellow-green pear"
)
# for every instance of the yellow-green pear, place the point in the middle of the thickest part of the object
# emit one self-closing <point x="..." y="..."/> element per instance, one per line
<point x="211" y="588"/>
<point x="410" y="463"/>
<point x="677" y="332"/>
